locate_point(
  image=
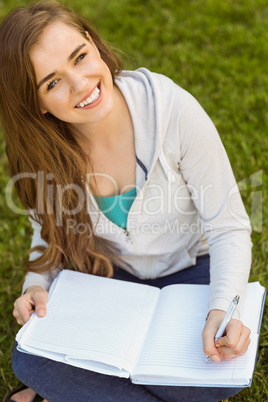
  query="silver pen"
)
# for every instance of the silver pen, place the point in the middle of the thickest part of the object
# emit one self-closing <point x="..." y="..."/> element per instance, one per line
<point x="229" y="314"/>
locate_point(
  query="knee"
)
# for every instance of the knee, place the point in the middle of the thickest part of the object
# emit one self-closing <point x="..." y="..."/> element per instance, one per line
<point x="18" y="363"/>
<point x="23" y="365"/>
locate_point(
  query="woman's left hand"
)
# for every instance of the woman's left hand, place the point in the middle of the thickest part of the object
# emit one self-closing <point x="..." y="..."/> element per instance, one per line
<point x="234" y="342"/>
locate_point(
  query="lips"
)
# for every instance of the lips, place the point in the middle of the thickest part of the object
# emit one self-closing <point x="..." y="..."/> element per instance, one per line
<point x="90" y="98"/>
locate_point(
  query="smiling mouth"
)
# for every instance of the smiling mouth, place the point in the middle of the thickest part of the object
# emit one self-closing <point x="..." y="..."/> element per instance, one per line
<point x="92" y="98"/>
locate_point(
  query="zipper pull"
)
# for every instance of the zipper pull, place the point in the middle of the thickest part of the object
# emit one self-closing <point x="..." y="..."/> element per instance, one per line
<point x="129" y="240"/>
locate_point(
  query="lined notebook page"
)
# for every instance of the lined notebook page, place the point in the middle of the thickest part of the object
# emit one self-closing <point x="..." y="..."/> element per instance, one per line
<point x="99" y="328"/>
<point x="173" y="347"/>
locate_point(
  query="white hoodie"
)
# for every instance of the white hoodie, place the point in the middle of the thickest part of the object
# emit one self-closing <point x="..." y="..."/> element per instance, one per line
<point x="188" y="205"/>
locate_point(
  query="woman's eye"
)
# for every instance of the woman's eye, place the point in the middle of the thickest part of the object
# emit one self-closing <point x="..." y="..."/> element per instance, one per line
<point x="80" y="57"/>
<point x="52" y="84"/>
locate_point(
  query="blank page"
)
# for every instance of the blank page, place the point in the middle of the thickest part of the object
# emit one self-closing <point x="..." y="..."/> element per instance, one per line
<point x="173" y="352"/>
<point x="99" y="328"/>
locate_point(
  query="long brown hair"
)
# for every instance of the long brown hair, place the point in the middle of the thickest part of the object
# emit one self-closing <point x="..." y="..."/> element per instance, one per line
<point x="43" y="146"/>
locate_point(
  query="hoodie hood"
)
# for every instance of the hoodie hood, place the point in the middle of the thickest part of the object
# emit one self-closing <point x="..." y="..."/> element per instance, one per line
<point x="150" y="102"/>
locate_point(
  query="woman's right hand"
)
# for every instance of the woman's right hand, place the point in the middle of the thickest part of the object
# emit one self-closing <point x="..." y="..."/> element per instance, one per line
<point x="34" y="299"/>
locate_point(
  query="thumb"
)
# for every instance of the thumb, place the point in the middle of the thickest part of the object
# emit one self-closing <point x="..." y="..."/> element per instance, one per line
<point x="209" y="344"/>
<point x="40" y="299"/>
<point x="212" y="324"/>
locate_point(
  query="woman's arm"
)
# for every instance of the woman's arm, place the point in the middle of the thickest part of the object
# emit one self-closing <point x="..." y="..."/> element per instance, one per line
<point x="43" y="279"/>
<point x="208" y="174"/>
<point x="36" y="285"/>
<point x="207" y="171"/>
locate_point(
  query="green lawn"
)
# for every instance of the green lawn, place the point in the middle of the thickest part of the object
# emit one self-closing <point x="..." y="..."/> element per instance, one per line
<point x="218" y="51"/>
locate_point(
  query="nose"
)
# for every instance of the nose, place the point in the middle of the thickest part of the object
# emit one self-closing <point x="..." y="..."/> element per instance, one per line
<point x="78" y="82"/>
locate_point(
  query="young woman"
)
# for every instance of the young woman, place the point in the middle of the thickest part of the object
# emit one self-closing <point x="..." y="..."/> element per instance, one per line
<point x="122" y="174"/>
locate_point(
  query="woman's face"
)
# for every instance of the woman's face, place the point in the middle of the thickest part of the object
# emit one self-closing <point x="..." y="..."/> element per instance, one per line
<point x="74" y="83"/>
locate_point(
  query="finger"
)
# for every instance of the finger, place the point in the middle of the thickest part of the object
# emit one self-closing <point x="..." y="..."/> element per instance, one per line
<point x="229" y="354"/>
<point x="20" y="322"/>
<point x="233" y="333"/>
<point x="40" y="299"/>
<point x="239" y="349"/>
<point x="22" y="308"/>
<point x="18" y="318"/>
<point x="209" y="348"/>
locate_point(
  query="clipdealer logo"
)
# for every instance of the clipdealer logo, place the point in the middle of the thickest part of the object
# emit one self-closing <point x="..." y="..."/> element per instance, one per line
<point x="251" y="186"/>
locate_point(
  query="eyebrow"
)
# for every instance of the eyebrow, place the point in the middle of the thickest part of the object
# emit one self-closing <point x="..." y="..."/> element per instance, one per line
<point x="72" y="55"/>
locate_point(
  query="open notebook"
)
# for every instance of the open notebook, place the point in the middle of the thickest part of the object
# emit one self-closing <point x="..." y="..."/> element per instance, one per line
<point x="130" y="330"/>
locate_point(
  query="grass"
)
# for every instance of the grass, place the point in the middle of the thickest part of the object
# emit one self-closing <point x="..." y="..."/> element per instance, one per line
<point x="218" y="51"/>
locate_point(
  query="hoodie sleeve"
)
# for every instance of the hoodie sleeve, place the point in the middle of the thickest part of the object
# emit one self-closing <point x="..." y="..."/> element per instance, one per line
<point x="206" y="169"/>
<point x="43" y="279"/>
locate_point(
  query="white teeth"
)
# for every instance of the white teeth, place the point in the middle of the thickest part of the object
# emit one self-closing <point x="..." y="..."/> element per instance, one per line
<point x="94" y="96"/>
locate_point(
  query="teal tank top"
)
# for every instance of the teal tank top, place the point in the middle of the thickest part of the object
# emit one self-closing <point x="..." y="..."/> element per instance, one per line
<point x="116" y="208"/>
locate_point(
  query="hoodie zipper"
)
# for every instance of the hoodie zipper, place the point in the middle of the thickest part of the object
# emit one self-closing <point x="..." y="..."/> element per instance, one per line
<point x="129" y="238"/>
<point x="131" y="241"/>
<point x="149" y="263"/>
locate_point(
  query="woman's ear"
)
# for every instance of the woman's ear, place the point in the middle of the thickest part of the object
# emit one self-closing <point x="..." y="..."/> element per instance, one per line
<point x="92" y="43"/>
